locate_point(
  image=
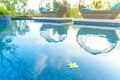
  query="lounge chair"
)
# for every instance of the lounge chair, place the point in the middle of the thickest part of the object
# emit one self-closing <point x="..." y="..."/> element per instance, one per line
<point x="60" y="13"/>
<point x="99" y="14"/>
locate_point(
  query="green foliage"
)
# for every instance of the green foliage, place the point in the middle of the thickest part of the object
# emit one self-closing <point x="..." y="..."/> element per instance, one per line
<point x="14" y="5"/>
<point x="56" y="4"/>
<point x="4" y="11"/>
<point x="29" y="13"/>
<point x="97" y="4"/>
<point x="67" y="4"/>
<point x="108" y="3"/>
<point x="73" y="12"/>
<point x="48" y="6"/>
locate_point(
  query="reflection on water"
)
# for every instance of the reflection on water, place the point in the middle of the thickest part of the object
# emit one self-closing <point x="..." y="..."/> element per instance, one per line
<point x="6" y="37"/>
<point x="54" y="33"/>
<point x="97" y="41"/>
<point x="6" y="45"/>
<point x="9" y="61"/>
<point x="8" y="33"/>
<point x="21" y="27"/>
<point x="25" y="55"/>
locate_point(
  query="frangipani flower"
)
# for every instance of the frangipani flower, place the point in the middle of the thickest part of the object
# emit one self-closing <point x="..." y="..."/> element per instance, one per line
<point x="72" y="65"/>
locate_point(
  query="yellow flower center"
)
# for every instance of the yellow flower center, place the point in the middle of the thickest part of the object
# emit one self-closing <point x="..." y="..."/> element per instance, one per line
<point x="72" y="65"/>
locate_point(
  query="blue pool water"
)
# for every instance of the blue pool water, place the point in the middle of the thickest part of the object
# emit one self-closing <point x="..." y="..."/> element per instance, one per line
<point x="34" y="51"/>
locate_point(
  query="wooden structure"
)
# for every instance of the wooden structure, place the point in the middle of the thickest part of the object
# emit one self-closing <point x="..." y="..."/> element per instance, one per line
<point x="60" y="13"/>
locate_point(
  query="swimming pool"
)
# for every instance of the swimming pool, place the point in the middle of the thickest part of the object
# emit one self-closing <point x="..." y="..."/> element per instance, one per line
<point x="32" y="50"/>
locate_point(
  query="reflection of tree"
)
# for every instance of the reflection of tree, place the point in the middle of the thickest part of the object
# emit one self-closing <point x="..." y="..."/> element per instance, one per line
<point x="6" y="35"/>
<point x="54" y="33"/>
<point x="21" y="27"/>
<point x="11" y="66"/>
<point x="106" y="37"/>
<point x="6" y="46"/>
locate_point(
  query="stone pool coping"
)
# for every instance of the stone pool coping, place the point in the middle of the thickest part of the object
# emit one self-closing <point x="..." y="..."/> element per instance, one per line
<point x="46" y="19"/>
<point x="76" y="21"/>
<point x="97" y="22"/>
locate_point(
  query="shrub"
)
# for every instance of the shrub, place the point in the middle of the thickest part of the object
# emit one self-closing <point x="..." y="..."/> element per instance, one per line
<point x="4" y="11"/>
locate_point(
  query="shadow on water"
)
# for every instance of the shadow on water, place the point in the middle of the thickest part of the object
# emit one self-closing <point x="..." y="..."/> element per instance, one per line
<point x="11" y="66"/>
<point x="97" y="41"/>
<point x="54" y="33"/>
